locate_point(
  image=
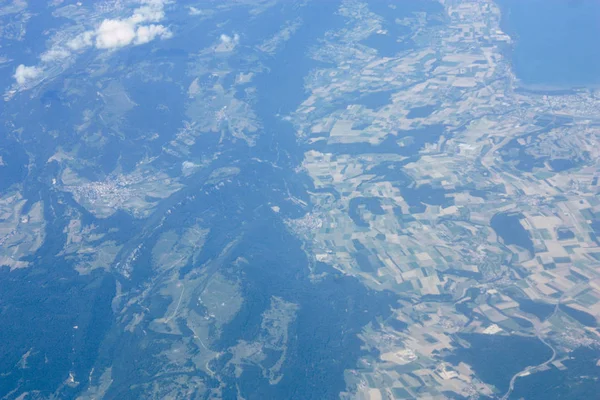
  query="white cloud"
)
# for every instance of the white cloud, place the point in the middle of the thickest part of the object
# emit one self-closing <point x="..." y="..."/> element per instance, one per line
<point x="117" y="33"/>
<point x="195" y="11"/>
<point x="24" y="73"/>
<point x="225" y="39"/>
<point x="145" y="34"/>
<point x="137" y="29"/>
<point x="147" y="14"/>
<point x="227" y="43"/>
<point x="81" y="41"/>
<point x="54" y="54"/>
<point x="114" y="33"/>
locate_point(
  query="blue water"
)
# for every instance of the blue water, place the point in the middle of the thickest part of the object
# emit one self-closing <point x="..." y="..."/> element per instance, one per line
<point x="391" y="10"/>
<point x="556" y="41"/>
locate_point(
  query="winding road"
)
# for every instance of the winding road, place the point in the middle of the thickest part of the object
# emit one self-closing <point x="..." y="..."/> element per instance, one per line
<point x="537" y="325"/>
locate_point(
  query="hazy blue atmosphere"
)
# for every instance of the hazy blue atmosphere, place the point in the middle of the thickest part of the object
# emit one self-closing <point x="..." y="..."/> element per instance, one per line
<point x="299" y="199"/>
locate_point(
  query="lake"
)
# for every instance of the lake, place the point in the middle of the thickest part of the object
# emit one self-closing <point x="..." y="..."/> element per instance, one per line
<point x="555" y="41"/>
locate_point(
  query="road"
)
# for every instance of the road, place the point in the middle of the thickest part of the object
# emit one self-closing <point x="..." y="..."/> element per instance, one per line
<point x="538" y="328"/>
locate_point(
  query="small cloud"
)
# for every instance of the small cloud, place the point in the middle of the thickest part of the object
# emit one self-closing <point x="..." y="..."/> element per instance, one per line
<point x="55" y="54"/>
<point x="227" y="43"/>
<point x="195" y="11"/>
<point x="147" y="14"/>
<point x="111" y="34"/>
<point x="114" y="33"/>
<point x="225" y="39"/>
<point x="145" y="34"/>
<point x="24" y="73"/>
<point x="81" y="41"/>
